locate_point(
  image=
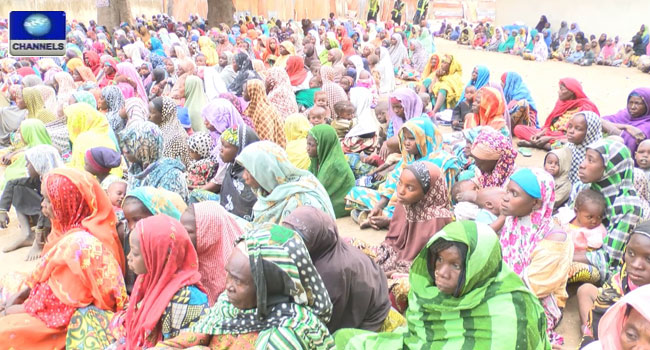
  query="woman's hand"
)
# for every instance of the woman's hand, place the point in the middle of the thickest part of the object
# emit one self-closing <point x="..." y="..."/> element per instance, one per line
<point x="384" y="151"/>
<point x="379" y="222"/>
<point x="538" y="135"/>
<point x="6" y="159"/>
<point x="18" y="298"/>
<point x="638" y="135"/>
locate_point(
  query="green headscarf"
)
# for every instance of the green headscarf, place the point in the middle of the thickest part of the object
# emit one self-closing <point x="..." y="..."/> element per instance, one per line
<point x="331" y="168"/>
<point x="195" y="100"/>
<point x="531" y="44"/>
<point x="494" y="310"/>
<point x="508" y="44"/>
<point x="33" y="133"/>
<point x="159" y="201"/>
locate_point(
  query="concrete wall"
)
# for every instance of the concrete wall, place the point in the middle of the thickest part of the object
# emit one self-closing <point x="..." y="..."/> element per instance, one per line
<point x="613" y="17"/>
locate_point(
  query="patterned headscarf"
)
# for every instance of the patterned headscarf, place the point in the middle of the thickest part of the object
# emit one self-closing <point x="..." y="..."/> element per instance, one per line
<point x="505" y="154"/>
<point x="201" y="143"/>
<point x="282" y="270"/>
<point x="231" y="136"/>
<point x="136" y="109"/>
<point x="281" y="94"/>
<point x="267" y="120"/>
<point x="623" y="205"/>
<point x="594" y="133"/>
<point x="114" y="102"/>
<point x="334" y="91"/>
<point x="174" y="136"/>
<point x="520" y="235"/>
<point x="43" y="158"/>
<point x="144" y="141"/>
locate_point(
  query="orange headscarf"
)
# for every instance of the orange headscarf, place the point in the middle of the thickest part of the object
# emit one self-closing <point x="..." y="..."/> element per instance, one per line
<point x="490" y="110"/>
<point x="80" y="203"/>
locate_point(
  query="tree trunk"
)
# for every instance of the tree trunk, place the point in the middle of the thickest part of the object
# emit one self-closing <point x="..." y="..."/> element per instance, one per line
<point x="220" y="11"/>
<point x="117" y="12"/>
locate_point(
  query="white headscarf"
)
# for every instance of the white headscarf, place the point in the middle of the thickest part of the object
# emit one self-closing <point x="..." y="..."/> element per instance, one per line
<point x="43" y="158"/>
<point x="386" y="70"/>
<point x="366" y="122"/>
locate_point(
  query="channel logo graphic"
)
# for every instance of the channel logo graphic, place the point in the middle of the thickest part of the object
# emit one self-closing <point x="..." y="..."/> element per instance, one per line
<point x="37" y="33"/>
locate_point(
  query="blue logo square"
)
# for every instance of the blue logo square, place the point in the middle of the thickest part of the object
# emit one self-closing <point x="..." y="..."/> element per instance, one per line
<point x="37" y="33"/>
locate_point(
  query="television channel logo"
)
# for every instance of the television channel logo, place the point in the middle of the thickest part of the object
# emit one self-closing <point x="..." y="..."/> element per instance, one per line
<point x="37" y="33"/>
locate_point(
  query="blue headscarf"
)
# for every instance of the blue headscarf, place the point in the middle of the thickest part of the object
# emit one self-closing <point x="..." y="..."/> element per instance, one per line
<point x="157" y="47"/>
<point x="482" y="79"/>
<point x="515" y="89"/>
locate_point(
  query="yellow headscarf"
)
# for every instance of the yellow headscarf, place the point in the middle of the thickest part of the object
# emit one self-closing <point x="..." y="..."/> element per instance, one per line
<point x="451" y="82"/>
<point x="73" y="63"/>
<point x="208" y="48"/>
<point x="282" y="60"/>
<point x="296" y="128"/>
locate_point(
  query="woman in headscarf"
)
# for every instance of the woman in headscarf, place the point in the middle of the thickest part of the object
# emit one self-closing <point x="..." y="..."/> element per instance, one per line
<point x="480" y="77"/>
<point x="129" y="81"/>
<point x="587" y="124"/>
<point x="356" y="285"/>
<point x="12" y="115"/>
<point x="488" y="109"/>
<point x="521" y="105"/>
<point x="460" y="272"/>
<point x="532" y="245"/>
<point x="335" y="92"/>
<point x="494" y="157"/>
<point x="540" y="50"/>
<point x="449" y="86"/>
<point x="419" y="56"/>
<point x="296" y="128"/>
<point x="33" y="133"/>
<point x="571" y="100"/>
<point x="219" y="115"/>
<point x="88" y="128"/>
<point x="265" y="117"/>
<point x="286" y="50"/>
<point x="109" y="66"/>
<point x="329" y="165"/>
<point x="280" y="187"/>
<point x="244" y="68"/>
<point x="398" y="52"/>
<point x="84" y="77"/>
<point x="113" y="101"/>
<point x="84" y="97"/>
<point x="271" y="50"/>
<point x="202" y="220"/>
<point x="280" y="92"/>
<point x="386" y="70"/>
<point x="143" y="146"/>
<point x="208" y="49"/>
<point x="186" y="68"/>
<point x="195" y="101"/>
<point x="91" y="59"/>
<point x="408" y="103"/>
<point x="134" y="109"/>
<point x="279" y="302"/>
<point x="35" y="105"/>
<point x="162" y="112"/>
<point x="633" y="122"/>
<point x="81" y="266"/>
<point x="299" y="77"/>
<point x="496" y="41"/>
<point x="608" y="168"/>
<point x="168" y="296"/>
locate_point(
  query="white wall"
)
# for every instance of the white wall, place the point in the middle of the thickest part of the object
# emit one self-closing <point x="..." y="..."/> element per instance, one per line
<point x="613" y="17"/>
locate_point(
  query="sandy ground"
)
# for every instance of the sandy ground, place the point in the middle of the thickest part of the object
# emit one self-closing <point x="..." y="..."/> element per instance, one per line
<point x="608" y="87"/>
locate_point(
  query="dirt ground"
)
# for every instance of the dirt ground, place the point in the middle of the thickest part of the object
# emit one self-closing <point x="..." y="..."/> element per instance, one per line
<point x="608" y="87"/>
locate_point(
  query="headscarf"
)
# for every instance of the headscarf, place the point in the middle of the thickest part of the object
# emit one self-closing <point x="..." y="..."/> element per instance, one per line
<point x="195" y="101"/>
<point x="520" y="235"/>
<point x="488" y="294"/>
<point x="174" y="136"/>
<point x="208" y="49"/>
<point x="499" y="147"/>
<point x="282" y="59"/>
<point x="540" y="50"/>
<point x="335" y="92"/>
<point x="414" y="224"/>
<point x="128" y="69"/>
<point x="398" y="52"/>
<point x="581" y="102"/>
<point x="412" y="104"/>
<point x="73" y="63"/>
<point x="235" y="196"/>
<point x="386" y="71"/>
<point x="594" y="133"/>
<point x="159" y="201"/>
<point x="79" y="203"/>
<point x="642" y="122"/>
<point x="33" y="101"/>
<point x="610" y="328"/>
<point x="43" y="158"/>
<point x="482" y="79"/>
<point x="114" y="102"/>
<point x="330" y="167"/>
<point x="491" y="110"/>
<point x="623" y="205"/>
<point x="562" y="182"/>
<point x="280" y="93"/>
<point x="214" y="249"/>
<point x="450" y="82"/>
<point x="296" y="70"/>
<point x="65" y="88"/>
<point x="144" y="141"/>
<point x="283" y="187"/>
<point x="296" y="128"/>
<point x="171" y="263"/>
<point x="244" y="73"/>
<point x="266" y="119"/>
<point x="157" y="47"/>
<point x="418" y="56"/>
<point x="515" y="89"/>
<point x="102" y="159"/>
<point x="33" y="133"/>
<point x="221" y="114"/>
<point x="355" y="284"/>
<point x="136" y="109"/>
<point x="86" y="74"/>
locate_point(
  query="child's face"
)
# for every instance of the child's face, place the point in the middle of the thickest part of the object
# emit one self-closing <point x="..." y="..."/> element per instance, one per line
<point x="470" y="93"/>
<point x="116" y="192"/>
<point x="589" y="215"/>
<point x="490" y="199"/>
<point x="409" y="143"/>
<point x="312" y="147"/>
<point x="316" y="118"/>
<point x="135" y="257"/>
<point x="320" y="100"/>
<point x="194" y="155"/>
<point x="228" y="152"/>
<point x="382" y="115"/>
<point x="576" y="129"/>
<point x="398" y="109"/>
<point x="552" y="164"/>
<point x="409" y="190"/>
<point x="347" y="114"/>
<point x="314" y="82"/>
<point x="201" y="61"/>
<point x="642" y="155"/>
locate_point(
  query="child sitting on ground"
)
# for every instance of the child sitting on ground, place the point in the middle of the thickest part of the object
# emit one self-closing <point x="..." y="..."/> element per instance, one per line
<point x="365" y="80"/>
<point x="576" y="56"/>
<point x="320" y="100"/>
<point x="201" y="167"/>
<point x="345" y="111"/>
<point x="317" y="115"/>
<point x="584" y="223"/>
<point x="381" y="112"/>
<point x="642" y="157"/>
<point x="100" y="161"/>
<point x="558" y="163"/>
<point x="462" y="109"/>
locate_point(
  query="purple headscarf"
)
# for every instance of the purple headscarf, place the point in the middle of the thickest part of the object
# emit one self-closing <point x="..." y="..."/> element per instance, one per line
<point x="221" y="114"/>
<point x="412" y="104"/>
<point x="624" y="117"/>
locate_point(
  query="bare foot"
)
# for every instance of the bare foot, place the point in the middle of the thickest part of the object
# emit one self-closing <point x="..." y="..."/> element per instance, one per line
<point x="524" y="143"/>
<point x="35" y="252"/>
<point x="19" y="242"/>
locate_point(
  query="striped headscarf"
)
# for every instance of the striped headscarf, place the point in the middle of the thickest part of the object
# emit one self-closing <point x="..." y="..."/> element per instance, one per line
<point x="266" y="118"/>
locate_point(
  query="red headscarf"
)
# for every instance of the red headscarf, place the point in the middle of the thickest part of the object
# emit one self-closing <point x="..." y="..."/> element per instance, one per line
<point x="296" y="70"/>
<point x="171" y="263"/>
<point x="25" y="71"/>
<point x="108" y="79"/>
<point x="80" y="203"/>
<point x="98" y="47"/>
<point x="582" y="102"/>
<point x="347" y="46"/>
<point x="267" y="49"/>
<point x="93" y="61"/>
